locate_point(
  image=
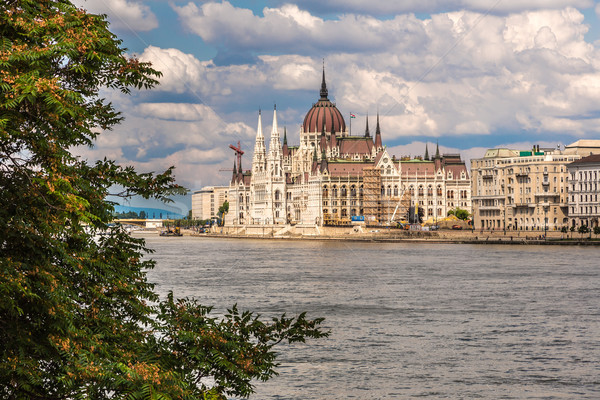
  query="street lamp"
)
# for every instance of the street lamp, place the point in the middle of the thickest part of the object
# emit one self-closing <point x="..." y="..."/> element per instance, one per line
<point x="545" y="221"/>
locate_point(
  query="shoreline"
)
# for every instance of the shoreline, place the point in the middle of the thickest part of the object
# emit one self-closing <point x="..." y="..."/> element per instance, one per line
<point x="395" y="236"/>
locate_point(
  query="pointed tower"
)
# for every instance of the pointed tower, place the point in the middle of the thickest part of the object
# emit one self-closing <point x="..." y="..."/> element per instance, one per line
<point x="323" y="142"/>
<point x="285" y="149"/>
<point x="324" y="163"/>
<point x="234" y="175"/>
<point x="367" y="134"/>
<point x="240" y="171"/>
<point x="426" y="158"/>
<point x="333" y="143"/>
<point x="437" y="158"/>
<point x="324" y="92"/>
<point x="378" y="144"/>
<point x="259" y="160"/>
<point x="275" y="157"/>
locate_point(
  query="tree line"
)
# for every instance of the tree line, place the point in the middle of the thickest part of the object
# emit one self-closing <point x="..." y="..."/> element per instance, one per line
<point x="78" y="317"/>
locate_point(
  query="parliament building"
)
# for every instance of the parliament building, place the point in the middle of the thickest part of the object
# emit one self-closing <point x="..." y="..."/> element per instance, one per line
<point x="333" y="178"/>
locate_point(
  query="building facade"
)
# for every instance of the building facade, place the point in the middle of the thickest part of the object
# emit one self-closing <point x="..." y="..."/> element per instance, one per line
<point x="524" y="190"/>
<point x="584" y="182"/>
<point x="333" y="178"/>
<point x="206" y="201"/>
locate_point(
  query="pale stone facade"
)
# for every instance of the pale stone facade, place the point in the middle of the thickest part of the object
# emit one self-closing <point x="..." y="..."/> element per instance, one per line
<point x="584" y="206"/>
<point x="206" y="201"/>
<point x="524" y="190"/>
<point x="322" y="180"/>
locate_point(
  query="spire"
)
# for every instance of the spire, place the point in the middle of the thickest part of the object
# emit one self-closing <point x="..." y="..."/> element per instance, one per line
<point x="367" y="134"/>
<point x="332" y="138"/>
<point x="437" y="150"/>
<point x="378" y="143"/>
<point x="260" y="152"/>
<point x="323" y="85"/>
<point x="285" y="149"/>
<point x="426" y="158"/>
<point x="324" y="163"/>
<point x="323" y="142"/>
<point x="259" y="133"/>
<point x="234" y="175"/>
<point x="275" y="128"/>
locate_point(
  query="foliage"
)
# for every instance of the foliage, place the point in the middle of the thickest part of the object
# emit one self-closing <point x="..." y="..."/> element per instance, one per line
<point x="224" y="208"/>
<point x="583" y="229"/>
<point x="597" y="230"/>
<point x="572" y="229"/>
<point x="461" y="214"/>
<point x="564" y="229"/>
<point x="450" y="212"/>
<point x="78" y="317"/>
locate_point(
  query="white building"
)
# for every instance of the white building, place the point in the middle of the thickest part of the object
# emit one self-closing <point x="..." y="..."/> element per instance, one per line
<point x="331" y="177"/>
<point x="524" y="189"/>
<point x="206" y="201"/>
<point x="584" y="206"/>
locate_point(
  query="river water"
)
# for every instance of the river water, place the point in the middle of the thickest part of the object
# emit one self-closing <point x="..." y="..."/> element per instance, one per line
<point x="408" y="320"/>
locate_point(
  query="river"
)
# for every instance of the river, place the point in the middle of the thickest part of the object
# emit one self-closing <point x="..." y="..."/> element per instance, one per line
<point x="408" y="320"/>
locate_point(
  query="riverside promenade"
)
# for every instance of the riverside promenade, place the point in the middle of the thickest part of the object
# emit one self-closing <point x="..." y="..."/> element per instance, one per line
<point x="382" y="234"/>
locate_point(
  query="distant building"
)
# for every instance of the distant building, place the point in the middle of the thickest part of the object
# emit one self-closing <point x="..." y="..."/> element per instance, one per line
<point x="333" y="178"/>
<point x="524" y="190"/>
<point x="584" y="207"/>
<point x="206" y="202"/>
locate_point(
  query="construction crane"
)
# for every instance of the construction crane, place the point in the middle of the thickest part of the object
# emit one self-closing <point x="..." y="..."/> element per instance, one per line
<point x="238" y="152"/>
<point x="400" y="201"/>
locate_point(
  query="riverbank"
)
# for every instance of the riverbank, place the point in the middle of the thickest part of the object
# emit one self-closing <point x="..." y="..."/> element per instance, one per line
<point x="395" y="235"/>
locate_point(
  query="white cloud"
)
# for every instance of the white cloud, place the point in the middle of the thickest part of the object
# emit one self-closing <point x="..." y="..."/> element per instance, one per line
<point x="122" y="14"/>
<point x="386" y="7"/>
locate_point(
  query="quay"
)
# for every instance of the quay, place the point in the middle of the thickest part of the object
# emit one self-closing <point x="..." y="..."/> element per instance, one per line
<point x="365" y="234"/>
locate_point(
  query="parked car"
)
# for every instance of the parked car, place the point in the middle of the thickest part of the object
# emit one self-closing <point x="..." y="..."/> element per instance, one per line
<point x="457" y="227"/>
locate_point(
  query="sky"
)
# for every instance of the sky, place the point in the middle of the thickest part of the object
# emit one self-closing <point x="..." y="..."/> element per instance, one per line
<point x="467" y="74"/>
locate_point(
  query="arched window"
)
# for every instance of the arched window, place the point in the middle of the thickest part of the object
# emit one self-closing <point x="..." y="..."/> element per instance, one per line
<point x="382" y="190"/>
<point x="439" y="190"/>
<point x="344" y="213"/>
<point x="277" y="195"/>
<point x="325" y="191"/>
<point x="395" y="190"/>
<point x="344" y="191"/>
<point x="389" y="190"/>
<point x="420" y="190"/>
<point x="334" y="191"/>
<point x="360" y="191"/>
<point x="429" y="190"/>
<point x="353" y="191"/>
<point x="411" y="189"/>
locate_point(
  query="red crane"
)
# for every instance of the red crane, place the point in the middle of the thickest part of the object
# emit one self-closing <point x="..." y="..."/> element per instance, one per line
<point x="238" y="152"/>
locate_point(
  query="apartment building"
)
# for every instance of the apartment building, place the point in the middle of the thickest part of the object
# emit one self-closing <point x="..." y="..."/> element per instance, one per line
<point x="584" y="179"/>
<point x="206" y="201"/>
<point x="524" y="190"/>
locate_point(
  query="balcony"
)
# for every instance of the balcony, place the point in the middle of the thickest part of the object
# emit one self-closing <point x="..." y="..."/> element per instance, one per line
<point x="522" y="174"/>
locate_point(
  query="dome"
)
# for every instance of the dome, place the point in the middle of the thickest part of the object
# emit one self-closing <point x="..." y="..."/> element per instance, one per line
<point x="324" y="111"/>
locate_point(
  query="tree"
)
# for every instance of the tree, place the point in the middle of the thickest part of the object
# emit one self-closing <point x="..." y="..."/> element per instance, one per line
<point x="583" y="229"/>
<point x="142" y="214"/>
<point x="78" y="317"/>
<point x="597" y="230"/>
<point x="224" y="208"/>
<point x="461" y="214"/>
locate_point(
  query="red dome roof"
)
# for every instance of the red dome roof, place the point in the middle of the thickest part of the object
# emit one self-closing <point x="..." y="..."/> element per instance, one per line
<point x="324" y="111"/>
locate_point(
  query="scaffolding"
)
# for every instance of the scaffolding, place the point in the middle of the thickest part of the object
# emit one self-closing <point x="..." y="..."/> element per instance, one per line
<point x="372" y="196"/>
